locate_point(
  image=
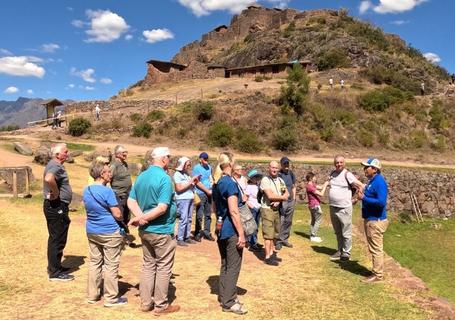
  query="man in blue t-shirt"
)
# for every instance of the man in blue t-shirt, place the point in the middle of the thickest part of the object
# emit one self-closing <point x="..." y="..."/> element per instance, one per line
<point x="231" y="240"/>
<point x="151" y="200"/>
<point x="374" y="213"/>
<point x="204" y="191"/>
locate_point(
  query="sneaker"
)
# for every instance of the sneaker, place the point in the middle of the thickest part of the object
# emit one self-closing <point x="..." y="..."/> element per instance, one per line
<point x="169" y="309"/>
<point x="345" y="256"/>
<point x="372" y="279"/>
<point x="335" y="256"/>
<point x="93" y="301"/>
<point x="190" y="241"/>
<point x="287" y="244"/>
<point x="62" y="277"/>
<point x="120" y="301"/>
<point x="275" y="257"/>
<point x="271" y="262"/>
<point x="315" y="239"/>
<point x="182" y="243"/>
<point x="145" y="308"/>
<point x="254" y="248"/>
<point x="236" y="308"/>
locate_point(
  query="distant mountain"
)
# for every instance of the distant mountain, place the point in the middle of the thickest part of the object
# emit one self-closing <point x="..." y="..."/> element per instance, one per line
<point x="21" y="111"/>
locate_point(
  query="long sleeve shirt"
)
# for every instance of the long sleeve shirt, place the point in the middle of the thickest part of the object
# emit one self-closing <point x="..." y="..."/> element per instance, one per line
<point x="374" y="203"/>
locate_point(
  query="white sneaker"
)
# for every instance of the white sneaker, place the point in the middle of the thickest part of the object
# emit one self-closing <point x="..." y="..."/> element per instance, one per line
<point x="315" y="239"/>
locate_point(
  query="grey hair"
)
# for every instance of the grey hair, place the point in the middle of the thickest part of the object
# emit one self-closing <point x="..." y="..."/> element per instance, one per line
<point x="96" y="170"/>
<point x="338" y="156"/>
<point x="119" y="148"/>
<point x="57" y="149"/>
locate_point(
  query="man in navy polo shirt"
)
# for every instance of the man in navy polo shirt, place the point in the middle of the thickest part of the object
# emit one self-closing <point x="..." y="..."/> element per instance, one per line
<point x="287" y="207"/>
<point x="374" y="213"/>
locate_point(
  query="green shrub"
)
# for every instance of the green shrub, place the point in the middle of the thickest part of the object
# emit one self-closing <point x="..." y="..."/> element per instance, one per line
<point x="327" y="132"/>
<point x="247" y="141"/>
<point x="135" y="117"/>
<point x="220" y="134"/>
<point x="289" y="30"/>
<point x="381" y="99"/>
<point x="155" y="115"/>
<point x="285" y="139"/>
<point x="142" y="129"/>
<point x="365" y="138"/>
<point x="438" y="118"/>
<point x="203" y="110"/>
<point x="79" y="126"/>
<point x="439" y="144"/>
<point x="393" y="77"/>
<point x="10" y="127"/>
<point x="334" y="58"/>
<point x="370" y="34"/>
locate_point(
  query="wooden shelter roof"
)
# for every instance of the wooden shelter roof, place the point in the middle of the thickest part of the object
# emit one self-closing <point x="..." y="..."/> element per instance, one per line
<point x="52" y="103"/>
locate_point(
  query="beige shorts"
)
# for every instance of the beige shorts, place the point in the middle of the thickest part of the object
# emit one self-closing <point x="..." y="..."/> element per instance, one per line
<point x="270" y="224"/>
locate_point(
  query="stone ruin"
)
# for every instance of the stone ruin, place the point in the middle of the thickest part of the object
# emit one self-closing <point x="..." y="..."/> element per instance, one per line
<point x="15" y="181"/>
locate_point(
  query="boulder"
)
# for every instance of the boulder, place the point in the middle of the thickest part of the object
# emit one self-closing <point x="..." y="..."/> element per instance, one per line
<point x="42" y="155"/>
<point x="75" y="153"/>
<point x="23" y="149"/>
<point x="105" y="153"/>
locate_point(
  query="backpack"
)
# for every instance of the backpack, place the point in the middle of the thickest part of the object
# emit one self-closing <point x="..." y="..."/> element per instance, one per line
<point x="352" y="187"/>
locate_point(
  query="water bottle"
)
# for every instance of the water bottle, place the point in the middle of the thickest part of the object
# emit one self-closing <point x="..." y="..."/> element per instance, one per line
<point x="219" y="224"/>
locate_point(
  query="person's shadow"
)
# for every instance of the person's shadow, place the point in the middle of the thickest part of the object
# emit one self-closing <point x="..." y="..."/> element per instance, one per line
<point x="352" y="266"/>
<point x="124" y="287"/>
<point x="302" y="234"/>
<point x="213" y="282"/>
<point x="73" y="262"/>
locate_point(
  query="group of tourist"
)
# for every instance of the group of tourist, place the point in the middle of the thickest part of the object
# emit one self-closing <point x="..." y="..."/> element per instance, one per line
<point x="155" y="200"/>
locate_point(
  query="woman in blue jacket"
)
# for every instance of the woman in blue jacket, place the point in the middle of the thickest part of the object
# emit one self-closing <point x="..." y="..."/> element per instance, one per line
<point x="374" y="213"/>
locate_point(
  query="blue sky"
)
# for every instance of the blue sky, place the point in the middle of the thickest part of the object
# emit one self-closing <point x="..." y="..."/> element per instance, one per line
<point x="85" y="50"/>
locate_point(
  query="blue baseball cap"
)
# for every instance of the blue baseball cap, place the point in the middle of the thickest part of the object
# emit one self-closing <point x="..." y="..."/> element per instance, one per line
<point x="253" y="173"/>
<point x="204" y="155"/>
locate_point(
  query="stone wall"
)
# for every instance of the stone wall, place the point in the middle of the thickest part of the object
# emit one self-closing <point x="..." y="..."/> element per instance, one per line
<point x="89" y="106"/>
<point x="435" y="191"/>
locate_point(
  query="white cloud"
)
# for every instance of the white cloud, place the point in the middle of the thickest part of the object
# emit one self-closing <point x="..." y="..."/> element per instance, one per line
<point x="5" y="52"/>
<point x="70" y="8"/>
<point x="155" y="35"/>
<point x="396" y="6"/>
<point x="365" y="6"/>
<point x="78" y="23"/>
<point x="11" y="90"/>
<point x="86" y="75"/>
<point x="50" y="47"/>
<point x="71" y="85"/>
<point x="205" y="7"/>
<point x="30" y="92"/>
<point x="279" y="3"/>
<point x="88" y="88"/>
<point x="105" y="26"/>
<point x="105" y="80"/>
<point x="22" y="66"/>
<point x="128" y="37"/>
<point x="432" y="57"/>
<point x="399" y="22"/>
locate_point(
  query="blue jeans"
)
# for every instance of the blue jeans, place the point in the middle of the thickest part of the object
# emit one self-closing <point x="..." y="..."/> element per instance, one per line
<point x="203" y="210"/>
<point x="185" y="210"/>
<point x="253" y="239"/>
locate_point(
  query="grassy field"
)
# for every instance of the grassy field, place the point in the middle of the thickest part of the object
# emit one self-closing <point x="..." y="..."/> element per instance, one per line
<point x="427" y="249"/>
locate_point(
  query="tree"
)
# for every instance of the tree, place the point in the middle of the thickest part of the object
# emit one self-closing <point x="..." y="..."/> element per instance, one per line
<point x="294" y="92"/>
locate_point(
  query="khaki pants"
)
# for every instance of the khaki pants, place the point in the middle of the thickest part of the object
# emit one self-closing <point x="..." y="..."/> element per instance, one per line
<point x="158" y="258"/>
<point x="270" y="224"/>
<point x="104" y="250"/>
<point x="374" y="231"/>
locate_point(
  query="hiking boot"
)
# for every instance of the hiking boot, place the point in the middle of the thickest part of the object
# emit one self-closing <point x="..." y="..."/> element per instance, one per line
<point x="190" y="241"/>
<point x="169" y="309"/>
<point x="182" y="243"/>
<point x="315" y="239"/>
<point x="237" y="308"/>
<point x="275" y="257"/>
<point x="271" y="262"/>
<point x="63" y="277"/>
<point x="287" y="244"/>
<point x="119" y="302"/>
<point x="372" y="279"/>
<point x="254" y="248"/>
<point x="335" y="256"/>
<point x="209" y="237"/>
<point x="345" y="256"/>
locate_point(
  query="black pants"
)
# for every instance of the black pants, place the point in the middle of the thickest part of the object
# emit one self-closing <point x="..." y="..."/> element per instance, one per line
<point x="122" y="205"/>
<point x="58" y="222"/>
<point x="231" y="262"/>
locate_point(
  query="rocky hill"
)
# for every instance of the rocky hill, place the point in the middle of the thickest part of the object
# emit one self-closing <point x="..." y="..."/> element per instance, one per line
<point x="328" y="38"/>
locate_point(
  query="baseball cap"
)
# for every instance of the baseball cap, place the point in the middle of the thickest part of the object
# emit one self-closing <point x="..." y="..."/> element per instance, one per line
<point x="285" y="160"/>
<point x="252" y="173"/>
<point x="204" y="155"/>
<point x="372" y="162"/>
<point x="181" y="163"/>
<point x="160" y="152"/>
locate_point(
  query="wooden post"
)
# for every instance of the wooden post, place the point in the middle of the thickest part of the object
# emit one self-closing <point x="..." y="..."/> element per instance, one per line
<point x="27" y="182"/>
<point x="14" y="184"/>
